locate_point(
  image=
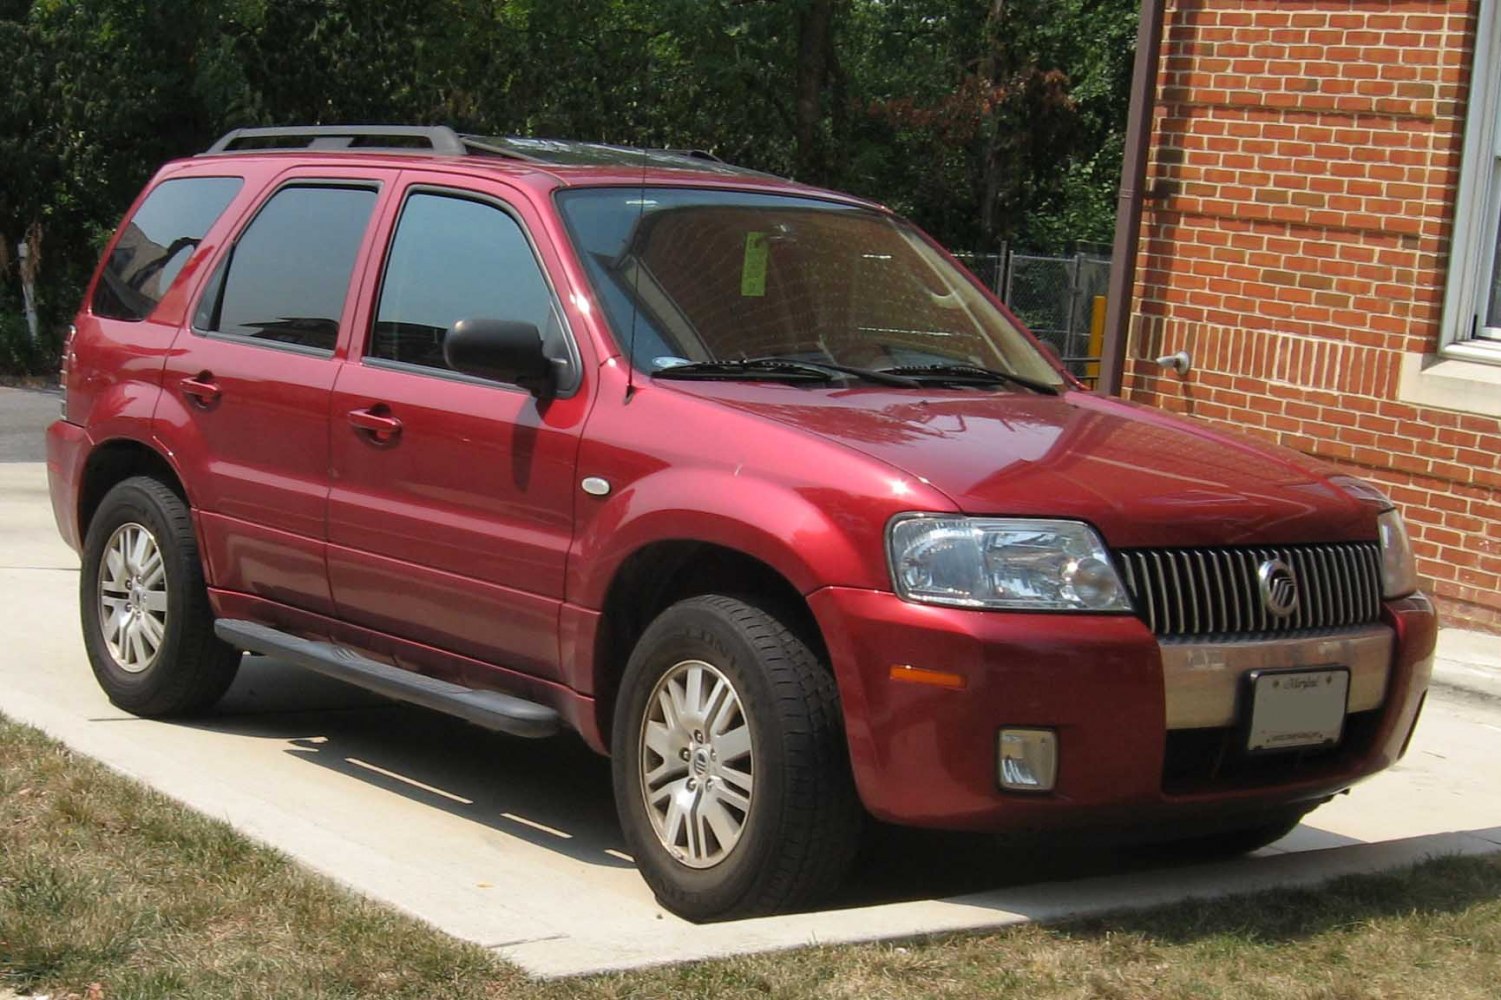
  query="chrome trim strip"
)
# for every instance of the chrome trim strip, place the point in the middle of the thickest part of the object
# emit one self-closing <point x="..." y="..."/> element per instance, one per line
<point x="1174" y="589"/>
<point x="1349" y="573"/>
<point x="1221" y="624"/>
<point x="1202" y="679"/>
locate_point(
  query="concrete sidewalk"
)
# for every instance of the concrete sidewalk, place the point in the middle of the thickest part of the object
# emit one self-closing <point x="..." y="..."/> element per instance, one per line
<point x="1468" y="661"/>
<point x="513" y="844"/>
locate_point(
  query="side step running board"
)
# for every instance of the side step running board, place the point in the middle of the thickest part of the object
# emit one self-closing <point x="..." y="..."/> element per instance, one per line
<point x="488" y="709"/>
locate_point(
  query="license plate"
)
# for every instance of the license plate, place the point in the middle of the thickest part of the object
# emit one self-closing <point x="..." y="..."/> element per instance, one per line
<point x="1297" y="708"/>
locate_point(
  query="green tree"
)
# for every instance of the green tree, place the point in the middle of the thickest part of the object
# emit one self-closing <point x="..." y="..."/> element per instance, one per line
<point x="987" y="121"/>
<point x="1006" y="115"/>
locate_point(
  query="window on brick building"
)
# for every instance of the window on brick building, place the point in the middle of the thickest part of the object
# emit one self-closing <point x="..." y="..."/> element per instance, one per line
<point x="1492" y="328"/>
<point x="1473" y="305"/>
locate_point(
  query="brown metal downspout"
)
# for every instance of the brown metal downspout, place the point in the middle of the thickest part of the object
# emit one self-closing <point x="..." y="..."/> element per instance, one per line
<point x="1128" y="205"/>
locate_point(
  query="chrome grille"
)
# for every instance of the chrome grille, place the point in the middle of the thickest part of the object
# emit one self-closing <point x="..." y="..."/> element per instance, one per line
<point x="1195" y="592"/>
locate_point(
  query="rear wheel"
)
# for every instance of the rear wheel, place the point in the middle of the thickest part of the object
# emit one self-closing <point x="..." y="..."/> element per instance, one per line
<point x="731" y="774"/>
<point x="147" y="625"/>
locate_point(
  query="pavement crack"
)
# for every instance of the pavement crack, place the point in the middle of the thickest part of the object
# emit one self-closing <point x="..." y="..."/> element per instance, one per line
<point x="519" y="941"/>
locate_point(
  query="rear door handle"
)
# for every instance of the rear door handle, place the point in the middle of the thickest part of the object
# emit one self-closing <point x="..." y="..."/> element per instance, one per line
<point x="377" y="422"/>
<point x="200" y="388"/>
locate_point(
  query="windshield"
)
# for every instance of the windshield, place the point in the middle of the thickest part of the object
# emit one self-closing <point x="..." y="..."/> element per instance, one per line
<point x="711" y="276"/>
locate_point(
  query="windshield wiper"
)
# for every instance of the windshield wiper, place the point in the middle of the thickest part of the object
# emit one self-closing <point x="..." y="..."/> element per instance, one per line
<point x="972" y="374"/>
<point x="744" y="369"/>
<point x="778" y="367"/>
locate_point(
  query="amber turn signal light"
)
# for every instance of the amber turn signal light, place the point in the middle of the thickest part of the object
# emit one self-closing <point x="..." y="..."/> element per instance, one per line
<point x="932" y="678"/>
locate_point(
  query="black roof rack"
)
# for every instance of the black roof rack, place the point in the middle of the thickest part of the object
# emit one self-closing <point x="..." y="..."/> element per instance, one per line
<point x="443" y="141"/>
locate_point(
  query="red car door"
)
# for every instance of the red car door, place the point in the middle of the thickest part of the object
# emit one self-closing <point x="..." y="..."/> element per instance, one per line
<point x="452" y="499"/>
<point x="245" y="406"/>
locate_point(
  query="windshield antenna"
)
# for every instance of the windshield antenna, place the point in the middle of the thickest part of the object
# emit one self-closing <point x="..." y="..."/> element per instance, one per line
<point x="630" y="358"/>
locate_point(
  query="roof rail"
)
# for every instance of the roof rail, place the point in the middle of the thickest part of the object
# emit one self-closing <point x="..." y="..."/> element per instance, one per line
<point x="438" y="139"/>
<point x="574" y="152"/>
<point x="696" y="154"/>
<point x="443" y="141"/>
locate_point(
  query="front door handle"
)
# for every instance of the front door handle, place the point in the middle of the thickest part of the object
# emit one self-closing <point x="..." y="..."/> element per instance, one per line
<point x="200" y="388"/>
<point x="377" y="422"/>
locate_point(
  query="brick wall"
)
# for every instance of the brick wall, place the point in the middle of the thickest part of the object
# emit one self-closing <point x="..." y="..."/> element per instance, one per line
<point x="1304" y="159"/>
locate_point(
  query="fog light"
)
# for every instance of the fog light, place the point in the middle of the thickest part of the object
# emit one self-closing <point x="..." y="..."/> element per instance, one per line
<point x="1028" y="759"/>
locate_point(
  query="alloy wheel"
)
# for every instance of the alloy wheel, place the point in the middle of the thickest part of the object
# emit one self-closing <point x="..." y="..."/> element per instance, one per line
<point x="133" y="597"/>
<point x="696" y="764"/>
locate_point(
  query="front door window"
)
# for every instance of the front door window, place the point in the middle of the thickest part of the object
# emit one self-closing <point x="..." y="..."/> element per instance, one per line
<point x="455" y="259"/>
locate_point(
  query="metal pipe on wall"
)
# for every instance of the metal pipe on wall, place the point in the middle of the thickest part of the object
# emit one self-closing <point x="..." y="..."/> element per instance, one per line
<point x="1128" y="204"/>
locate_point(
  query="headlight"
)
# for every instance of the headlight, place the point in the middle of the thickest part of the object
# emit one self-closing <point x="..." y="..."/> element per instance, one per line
<point x="1014" y="563"/>
<point x="1399" y="571"/>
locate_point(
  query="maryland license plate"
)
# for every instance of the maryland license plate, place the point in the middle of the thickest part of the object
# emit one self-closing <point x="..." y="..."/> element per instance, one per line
<point x="1297" y="708"/>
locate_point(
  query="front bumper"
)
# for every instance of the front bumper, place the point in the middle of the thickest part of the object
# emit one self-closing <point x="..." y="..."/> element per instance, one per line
<point x="925" y="755"/>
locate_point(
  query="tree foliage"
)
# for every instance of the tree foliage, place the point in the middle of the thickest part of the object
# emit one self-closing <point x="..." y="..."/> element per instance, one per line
<point x="988" y="121"/>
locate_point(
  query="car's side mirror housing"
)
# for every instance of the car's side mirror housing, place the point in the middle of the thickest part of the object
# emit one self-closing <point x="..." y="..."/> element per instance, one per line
<point x="503" y="350"/>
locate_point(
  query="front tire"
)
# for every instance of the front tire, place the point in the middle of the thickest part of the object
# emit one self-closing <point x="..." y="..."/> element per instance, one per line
<point x="731" y="775"/>
<point x="147" y="625"/>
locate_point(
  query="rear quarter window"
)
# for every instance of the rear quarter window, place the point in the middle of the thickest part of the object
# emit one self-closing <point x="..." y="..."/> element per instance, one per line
<point x="157" y="241"/>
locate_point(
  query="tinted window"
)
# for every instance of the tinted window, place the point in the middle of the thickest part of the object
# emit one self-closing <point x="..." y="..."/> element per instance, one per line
<point x="157" y="241"/>
<point x="454" y="259"/>
<point x="286" y="278"/>
<point x="687" y="274"/>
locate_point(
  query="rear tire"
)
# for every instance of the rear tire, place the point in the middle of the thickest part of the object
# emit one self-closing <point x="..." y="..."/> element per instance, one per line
<point x="732" y="777"/>
<point x="147" y="625"/>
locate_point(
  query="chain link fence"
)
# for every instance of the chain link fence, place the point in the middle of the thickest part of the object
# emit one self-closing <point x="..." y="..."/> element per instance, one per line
<point x="1061" y="299"/>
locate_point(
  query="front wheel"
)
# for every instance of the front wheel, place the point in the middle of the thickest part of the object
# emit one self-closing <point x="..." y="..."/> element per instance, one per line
<point x="147" y="625"/>
<point x="731" y="775"/>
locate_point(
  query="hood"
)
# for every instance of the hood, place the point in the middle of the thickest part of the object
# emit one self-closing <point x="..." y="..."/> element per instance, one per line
<point x="1141" y="476"/>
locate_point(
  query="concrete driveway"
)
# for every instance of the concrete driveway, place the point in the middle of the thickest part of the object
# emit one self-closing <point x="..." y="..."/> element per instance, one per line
<point x="514" y="844"/>
<point x="23" y="415"/>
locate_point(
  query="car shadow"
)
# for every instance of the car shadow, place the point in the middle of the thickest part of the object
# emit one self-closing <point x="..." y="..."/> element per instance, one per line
<point x="898" y="864"/>
<point x="1444" y="885"/>
<point x="556" y="793"/>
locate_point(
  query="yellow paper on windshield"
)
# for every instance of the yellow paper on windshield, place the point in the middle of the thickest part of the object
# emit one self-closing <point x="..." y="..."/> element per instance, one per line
<point x="753" y="271"/>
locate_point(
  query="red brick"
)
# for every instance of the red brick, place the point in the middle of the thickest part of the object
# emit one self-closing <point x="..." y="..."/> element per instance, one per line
<point x="1307" y="244"/>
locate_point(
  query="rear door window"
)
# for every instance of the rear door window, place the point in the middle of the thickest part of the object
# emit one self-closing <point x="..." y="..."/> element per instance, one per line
<point x="286" y="278"/>
<point x="157" y="241"/>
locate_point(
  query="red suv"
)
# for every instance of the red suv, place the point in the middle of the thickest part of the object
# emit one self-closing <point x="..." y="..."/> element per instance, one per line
<point x="748" y="483"/>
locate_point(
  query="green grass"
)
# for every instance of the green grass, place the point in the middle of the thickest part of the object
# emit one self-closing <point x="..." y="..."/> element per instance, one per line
<point x="103" y="881"/>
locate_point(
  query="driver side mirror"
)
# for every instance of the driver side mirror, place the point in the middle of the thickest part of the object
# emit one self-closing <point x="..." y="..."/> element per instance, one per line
<point x="501" y="350"/>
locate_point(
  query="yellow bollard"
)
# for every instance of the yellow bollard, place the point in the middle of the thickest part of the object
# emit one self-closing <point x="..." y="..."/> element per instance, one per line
<point x="1096" y="339"/>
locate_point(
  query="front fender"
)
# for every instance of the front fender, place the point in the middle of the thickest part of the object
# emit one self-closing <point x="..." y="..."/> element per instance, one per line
<point x="774" y="523"/>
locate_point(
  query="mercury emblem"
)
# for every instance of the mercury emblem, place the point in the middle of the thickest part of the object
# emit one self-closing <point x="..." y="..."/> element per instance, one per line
<point x="1279" y="588"/>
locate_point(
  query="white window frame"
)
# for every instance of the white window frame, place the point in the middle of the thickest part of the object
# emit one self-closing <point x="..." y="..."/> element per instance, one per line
<point x="1472" y="257"/>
